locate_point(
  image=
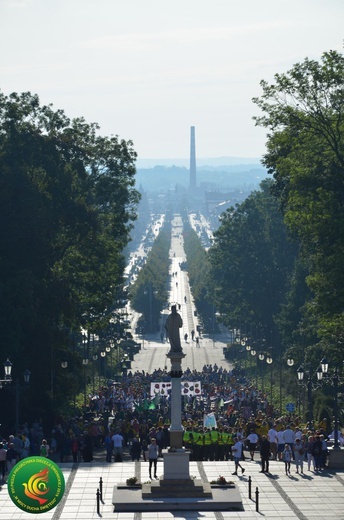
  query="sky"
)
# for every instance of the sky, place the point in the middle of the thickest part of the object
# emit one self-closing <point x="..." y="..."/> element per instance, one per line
<point x="148" y="70"/>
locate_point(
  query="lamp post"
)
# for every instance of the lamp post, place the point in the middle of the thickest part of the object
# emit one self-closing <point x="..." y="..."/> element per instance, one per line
<point x="269" y="361"/>
<point x="17" y="388"/>
<point x="95" y="358"/>
<point x="253" y="353"/>
<point x="8" y="370"/>
<point x="103" y="362"/>
<point x="84" y="364"/>
<point x="310" y="386"/>
<point x="334" y="380"/>
<point x="261" y="357"/>
<point x="112" y="346"/>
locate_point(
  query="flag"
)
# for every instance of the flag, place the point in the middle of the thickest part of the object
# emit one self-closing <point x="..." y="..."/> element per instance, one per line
<point x="209" y="421"/>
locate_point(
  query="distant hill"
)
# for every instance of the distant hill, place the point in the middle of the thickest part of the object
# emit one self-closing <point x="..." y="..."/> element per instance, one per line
<point x="214" y="175"/>
<point x="202" y="161"/>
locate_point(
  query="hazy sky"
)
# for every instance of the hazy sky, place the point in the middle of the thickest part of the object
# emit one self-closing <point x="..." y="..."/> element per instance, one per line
<point x="147" y="70"/>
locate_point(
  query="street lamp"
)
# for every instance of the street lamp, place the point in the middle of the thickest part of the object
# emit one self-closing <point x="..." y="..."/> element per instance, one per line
<point x="269" y="361"/>
<point x="253" y="353"/>
<point x="8" y="371"/>
<point x="95" y="358"/>
<point x="261" y="357"/>
<point x="17" y="388"/>
<point x="85" y="363"/>
<point x="334" y="380"/>
<point x="309" y="385"/>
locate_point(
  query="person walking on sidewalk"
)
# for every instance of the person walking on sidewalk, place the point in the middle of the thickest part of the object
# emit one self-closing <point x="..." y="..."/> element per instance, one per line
<point x="118" y="441"/>
<point x="289" y="438"/>
<point x="298" y="452"/>
<point x="273" y="438"/>
<point x="265" y="452"/>
<point x="252" y="442"/>
<point x="153" y="451"/>
<point x="287" y="456"/>
<point x="237" y="451"/>
<point x="309" y="451"/>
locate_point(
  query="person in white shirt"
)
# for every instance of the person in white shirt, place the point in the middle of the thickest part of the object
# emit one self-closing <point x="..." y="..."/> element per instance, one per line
<point x="297" y="433"/>
<point x="272" y="438"/>
<point x="237" y="451"/>
<point x="252" y="442"/>
<point x="117" y="440"/>
<point x="153" y="452"/>
<point x="289" y="438"/>
<point x="280" y="443"/>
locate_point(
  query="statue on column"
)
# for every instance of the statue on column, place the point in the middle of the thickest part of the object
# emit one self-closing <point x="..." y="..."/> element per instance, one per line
<point x="173" y="323"/>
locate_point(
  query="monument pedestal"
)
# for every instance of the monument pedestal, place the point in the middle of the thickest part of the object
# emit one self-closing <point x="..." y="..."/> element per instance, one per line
<point x="182" y="488"/>
<point x="336" y="458"/>
<point x="176" y="465"/>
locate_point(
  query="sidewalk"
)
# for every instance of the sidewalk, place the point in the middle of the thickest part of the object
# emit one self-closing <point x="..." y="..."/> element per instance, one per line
<point x="308" y="497"/>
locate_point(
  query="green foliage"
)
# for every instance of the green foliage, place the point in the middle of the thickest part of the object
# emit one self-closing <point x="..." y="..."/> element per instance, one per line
<point x="303" y="111"/>
<point x="149" y="293"/>
<point x="198" y="268"/>
<point x="251" y="261"/>
<point x="67" y="200"/>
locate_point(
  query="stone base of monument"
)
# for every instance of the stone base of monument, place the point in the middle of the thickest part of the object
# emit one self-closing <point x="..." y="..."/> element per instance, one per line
<point x="176" y="491"/>
<point x="176" y="464"/>
<point x="182" y="488"/>
<point x="336" y="458"/>
<point x="176" y="496"/>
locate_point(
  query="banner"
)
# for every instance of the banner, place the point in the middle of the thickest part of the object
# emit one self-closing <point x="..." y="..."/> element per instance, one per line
<point x="209" y="421"/>
<point x="187" y="388"/>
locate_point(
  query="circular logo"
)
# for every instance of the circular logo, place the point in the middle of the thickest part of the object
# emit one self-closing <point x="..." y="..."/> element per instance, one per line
<point x="36" y="484"/>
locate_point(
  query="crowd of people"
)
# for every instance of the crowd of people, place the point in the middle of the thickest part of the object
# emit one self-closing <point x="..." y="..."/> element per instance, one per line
<point x="123" y="419"/>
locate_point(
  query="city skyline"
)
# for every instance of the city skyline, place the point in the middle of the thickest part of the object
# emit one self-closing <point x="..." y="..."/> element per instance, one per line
<point x="148" y="73"/>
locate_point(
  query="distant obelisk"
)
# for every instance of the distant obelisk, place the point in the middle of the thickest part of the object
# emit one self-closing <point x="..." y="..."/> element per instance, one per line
<point x="192" y="159"/>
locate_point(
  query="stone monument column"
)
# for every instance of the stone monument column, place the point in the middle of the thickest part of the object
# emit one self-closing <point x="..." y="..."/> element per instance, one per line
<point x="176" y="428"/>
<point x="176" y="460"/>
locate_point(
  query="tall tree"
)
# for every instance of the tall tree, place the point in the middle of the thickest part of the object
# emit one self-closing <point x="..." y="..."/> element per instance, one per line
<point x="303" y="111"/>
<point x="67" y="200"/>
<point x="251" y="261"/>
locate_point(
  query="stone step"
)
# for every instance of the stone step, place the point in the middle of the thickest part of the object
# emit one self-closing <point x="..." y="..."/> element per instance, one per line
<point x="176" y="489"/>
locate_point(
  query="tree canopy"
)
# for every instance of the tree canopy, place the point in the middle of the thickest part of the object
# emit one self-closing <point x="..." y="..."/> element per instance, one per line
<point x="251" y="261"/>
<point x="303" y="111"/>
<point x="67" y="202"/>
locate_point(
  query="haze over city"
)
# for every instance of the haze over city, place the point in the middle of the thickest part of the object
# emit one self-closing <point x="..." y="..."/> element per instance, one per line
<point x="149" y="70"/>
